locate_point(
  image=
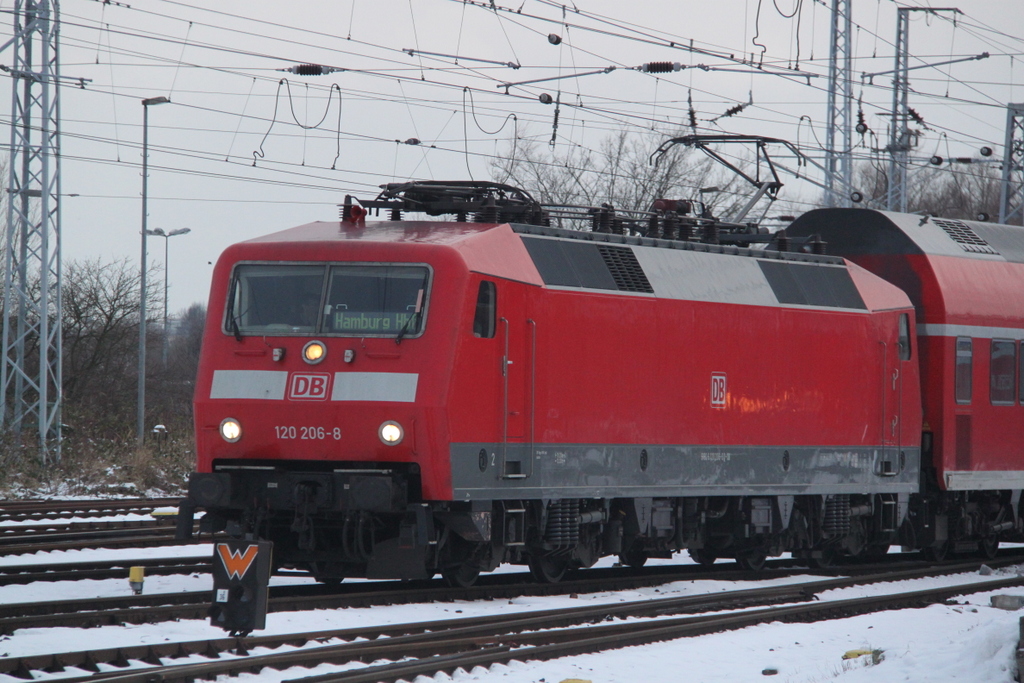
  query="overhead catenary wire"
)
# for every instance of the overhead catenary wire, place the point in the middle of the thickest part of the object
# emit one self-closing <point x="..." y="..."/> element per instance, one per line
<point x="602" y="108"/>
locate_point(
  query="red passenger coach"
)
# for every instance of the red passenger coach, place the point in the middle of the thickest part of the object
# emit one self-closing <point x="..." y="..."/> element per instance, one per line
<point x="402" y="398"/>
<point x="966" y="280"/>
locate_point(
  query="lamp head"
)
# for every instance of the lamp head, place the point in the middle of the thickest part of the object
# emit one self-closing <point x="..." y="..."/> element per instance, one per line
<point x="155" y="100"/>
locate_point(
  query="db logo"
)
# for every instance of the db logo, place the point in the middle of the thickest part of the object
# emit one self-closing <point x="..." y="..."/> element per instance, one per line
<point x="309" y="387"/>
<point x="718" y="390"/>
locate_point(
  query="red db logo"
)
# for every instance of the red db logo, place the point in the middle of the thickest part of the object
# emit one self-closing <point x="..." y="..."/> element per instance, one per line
<point x="309" y="387"/>
<point x="718" y="390"/>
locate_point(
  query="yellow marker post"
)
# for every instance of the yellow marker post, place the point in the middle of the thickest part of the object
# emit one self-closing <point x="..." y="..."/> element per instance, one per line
<point x="136" y="577"/>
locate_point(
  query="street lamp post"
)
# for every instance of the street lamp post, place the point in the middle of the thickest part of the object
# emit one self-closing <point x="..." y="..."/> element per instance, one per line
<point x="141" y="417"/>
<point x="158" y="232"/>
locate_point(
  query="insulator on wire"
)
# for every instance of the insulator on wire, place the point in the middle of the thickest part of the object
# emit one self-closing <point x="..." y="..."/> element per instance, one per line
<point x="917" y="118"/>
<point x="554" y="125"/>
<point x="311" y="70"/>
<point x="554" y="38"/>
<point x="661" y="67"/>
<point x="862" y="126"/>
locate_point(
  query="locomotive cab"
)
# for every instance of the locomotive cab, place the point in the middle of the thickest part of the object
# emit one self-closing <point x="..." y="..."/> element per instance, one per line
<point x="320" y="392"/>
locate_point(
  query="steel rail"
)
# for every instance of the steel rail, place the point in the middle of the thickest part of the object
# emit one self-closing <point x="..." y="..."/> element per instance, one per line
<point x="483" y="641"/>
<point x="41" y="509"/>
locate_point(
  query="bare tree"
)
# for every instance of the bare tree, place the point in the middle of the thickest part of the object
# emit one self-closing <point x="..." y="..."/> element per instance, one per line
<point x="173" y="385"/>
<point x="965" y="191"/>
<point x="101" y="328"/>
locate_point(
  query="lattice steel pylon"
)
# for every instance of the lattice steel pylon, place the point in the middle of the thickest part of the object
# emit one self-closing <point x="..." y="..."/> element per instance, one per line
<point x="30" y="376"/>
<point x="899" y="133"/>
<point x="1011" y="197"/>
<point x="839" y="152"/>
<point x="901" y="138"/>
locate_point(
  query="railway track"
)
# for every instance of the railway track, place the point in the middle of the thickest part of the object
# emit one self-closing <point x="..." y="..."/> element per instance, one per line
<point x="21" y="574"/>
<point x="38" y="510"/>
<point x="483" y="641"/>
<point x="153" y="608"/>
<point x="41" y="526"/>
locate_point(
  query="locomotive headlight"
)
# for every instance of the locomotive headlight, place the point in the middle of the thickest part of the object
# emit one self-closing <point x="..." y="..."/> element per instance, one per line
<point x="230" y="429"/>
<point x="314" y="352"/>
<point x="391" y="433"/>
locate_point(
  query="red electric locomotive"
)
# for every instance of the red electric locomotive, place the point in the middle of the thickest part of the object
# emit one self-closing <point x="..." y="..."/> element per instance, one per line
<point x="966" y="280"/>
<point x="405" y="398"/>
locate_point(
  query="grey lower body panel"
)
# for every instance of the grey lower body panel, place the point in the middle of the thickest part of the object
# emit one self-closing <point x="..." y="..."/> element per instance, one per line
<point x="517" y="470"/>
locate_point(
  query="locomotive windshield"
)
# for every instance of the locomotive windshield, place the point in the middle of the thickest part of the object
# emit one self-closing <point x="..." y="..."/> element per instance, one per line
<point x="350" y="299"/>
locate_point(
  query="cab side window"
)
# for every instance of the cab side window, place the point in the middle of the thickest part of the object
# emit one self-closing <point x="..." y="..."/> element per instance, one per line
<point x="964" y="357"/>
<point x="486" y="310"/>
<point x="1002" y="372"/>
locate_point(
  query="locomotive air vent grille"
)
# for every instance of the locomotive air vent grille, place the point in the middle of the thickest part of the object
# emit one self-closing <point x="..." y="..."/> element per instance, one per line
<point x="629" y="276"/>
<point x="964" y="236"/>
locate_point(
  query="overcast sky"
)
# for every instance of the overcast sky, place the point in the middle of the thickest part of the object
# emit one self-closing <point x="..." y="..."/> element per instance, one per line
<point x="229" y="160"/>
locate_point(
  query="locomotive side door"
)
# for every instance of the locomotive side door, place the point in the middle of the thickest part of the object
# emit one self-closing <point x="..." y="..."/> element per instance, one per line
<point x="892" y="398"/>
<point x="517" y="333"/>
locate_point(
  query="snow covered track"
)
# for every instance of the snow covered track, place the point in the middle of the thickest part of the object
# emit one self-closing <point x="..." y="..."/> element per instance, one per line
<point x="29" y="510"/>
<point x="110" y="569"/>
<point x="34" y="526"/>
<point x="463" y="643"/>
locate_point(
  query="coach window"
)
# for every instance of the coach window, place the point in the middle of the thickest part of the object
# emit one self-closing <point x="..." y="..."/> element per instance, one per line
<point x="904" y="340"/>
<point x="1003" y="372"/>
<point x="963" y="369"/>
<point x="483" y="320"/>
<point x="1020" y="375"/>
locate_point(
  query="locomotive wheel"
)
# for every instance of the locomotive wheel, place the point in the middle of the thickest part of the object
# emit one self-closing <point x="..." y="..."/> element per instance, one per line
<point x="702" y="556"/>
<point x="827" y="558"/>
<point x="460" y="575"/>
<point x="875" y="552"/>
<point x="989" y="547"/>
<point x="752" y="559"/>
<point x="633" y="558"/>
<point x="548" y="569"/>
<point x="936" y="553"/>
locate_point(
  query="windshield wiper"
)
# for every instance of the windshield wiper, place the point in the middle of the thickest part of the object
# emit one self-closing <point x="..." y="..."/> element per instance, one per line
<point x="233" y="320"/>
<point x="415" y="316"/>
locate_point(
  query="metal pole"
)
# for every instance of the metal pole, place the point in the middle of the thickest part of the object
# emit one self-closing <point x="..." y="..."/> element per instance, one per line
<point x="140" y="422"/>
<point x="838" y="136"/>
<point x="141" y="416"/>
<point x="166" y="247"/>
<point x="1011" y="194"/>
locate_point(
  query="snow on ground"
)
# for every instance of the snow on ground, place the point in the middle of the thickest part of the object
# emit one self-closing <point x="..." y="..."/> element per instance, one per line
<point x="967" y="643"/>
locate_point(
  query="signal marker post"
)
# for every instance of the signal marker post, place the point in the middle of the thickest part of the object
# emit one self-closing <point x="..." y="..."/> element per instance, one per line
<point x="241" y="585"/>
